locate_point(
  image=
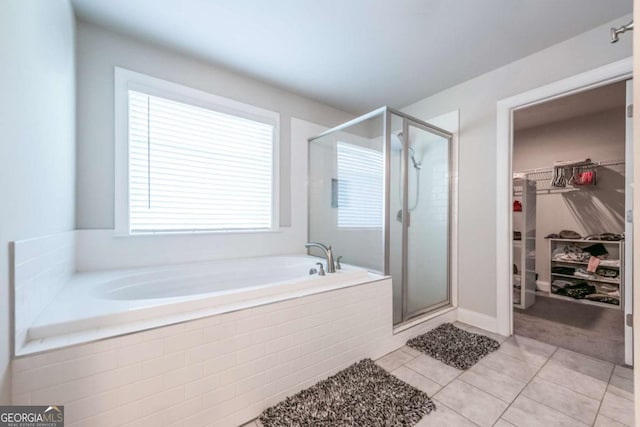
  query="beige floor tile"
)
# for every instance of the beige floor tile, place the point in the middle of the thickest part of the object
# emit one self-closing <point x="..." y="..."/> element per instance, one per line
<point x="503" y="423"/>
<point x="411" y="351"/>
<point x="497" y="337"/>
<point x="573" y="380"/>
<point x="583" y="364"/>
<point x="249" y="424"/>
<point x="493" y="382"/>
<point x="433" y="369"/>
<point x="617" y="408"/>
<point x="562" y="399"/>
<point x="602" y="421"/>
<point x="474" y="404"/>
<point x="527" y="349"/>
<point x="620" y="386"/>
<point x="394" y="360"/>
<point x="509" y="365"/>
<point x="444" y="417"/>
<point x="525" y="412"/>
<point x="418" y="381"/>
<point x="623" y="371"/>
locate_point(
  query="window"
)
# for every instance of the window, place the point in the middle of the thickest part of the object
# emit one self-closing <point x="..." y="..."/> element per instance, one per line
<point x="360" y="187"/>
<point x="196" y="166"/>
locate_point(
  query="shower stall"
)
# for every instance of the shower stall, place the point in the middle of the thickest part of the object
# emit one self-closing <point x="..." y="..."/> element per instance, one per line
<point x="380" y="194"/>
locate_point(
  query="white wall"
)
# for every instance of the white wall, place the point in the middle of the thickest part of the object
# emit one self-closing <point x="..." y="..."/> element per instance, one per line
<point x="589" y="210"/>
<point x="99" y="50"/>
<point x="37" y="135"/>
<point x="476" y="99"/>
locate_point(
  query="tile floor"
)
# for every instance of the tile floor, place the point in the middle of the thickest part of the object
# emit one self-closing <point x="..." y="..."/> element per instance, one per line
<point x="524" y="383"/>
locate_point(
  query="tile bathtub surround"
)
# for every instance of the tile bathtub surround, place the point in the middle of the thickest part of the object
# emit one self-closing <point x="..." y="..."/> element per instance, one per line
<point x="41" y="266"/>
<point x="222" y="370"/>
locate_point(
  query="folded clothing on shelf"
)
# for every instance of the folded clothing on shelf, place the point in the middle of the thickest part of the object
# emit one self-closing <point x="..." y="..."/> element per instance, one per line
<point x="610" y="273"/>
<point x="607" y="289"/>
<point x="569" y="271"/>
<point x="596" y="250"/>
<point x="610" y="237"/>
<point x="603" y="292"/>
<point x="570" y="252"/>
<point x="569" y="234"/>
<point x="609" y="263"/>
<point x="574" y="253"/>
<point x="558" y="286"/>
<point x="584" y="274"/>
<point x="577" y="290"/>
<point x="603" y="298"/>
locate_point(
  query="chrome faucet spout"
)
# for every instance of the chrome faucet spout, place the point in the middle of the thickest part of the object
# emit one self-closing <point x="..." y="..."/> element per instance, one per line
<point x="328" y="253"/>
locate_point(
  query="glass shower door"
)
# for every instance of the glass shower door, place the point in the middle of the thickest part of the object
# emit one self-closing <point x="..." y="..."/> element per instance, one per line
<point x="425" y="220"/>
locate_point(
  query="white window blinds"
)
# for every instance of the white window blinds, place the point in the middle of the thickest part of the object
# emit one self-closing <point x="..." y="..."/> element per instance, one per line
<point x="194" y="169"/>
<point x="360" y="187"/>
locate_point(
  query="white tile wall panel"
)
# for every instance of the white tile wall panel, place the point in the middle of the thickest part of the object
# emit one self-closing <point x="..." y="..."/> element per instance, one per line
<point x="41" y="267"/>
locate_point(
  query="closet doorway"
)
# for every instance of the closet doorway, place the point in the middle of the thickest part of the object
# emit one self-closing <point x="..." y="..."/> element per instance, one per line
<point x="571" y="163"/>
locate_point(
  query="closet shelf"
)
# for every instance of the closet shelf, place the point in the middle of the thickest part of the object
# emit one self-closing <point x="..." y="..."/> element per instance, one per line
<point x="586" y="241"/>
<point x="601" y="280"/>
<point x="559" y="261"/>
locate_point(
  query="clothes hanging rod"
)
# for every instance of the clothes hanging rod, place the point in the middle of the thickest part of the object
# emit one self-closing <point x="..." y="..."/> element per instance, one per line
<point x="550" y="168"/>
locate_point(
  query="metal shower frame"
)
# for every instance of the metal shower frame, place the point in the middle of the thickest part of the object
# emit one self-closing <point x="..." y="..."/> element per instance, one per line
<point x="407" y="121"/>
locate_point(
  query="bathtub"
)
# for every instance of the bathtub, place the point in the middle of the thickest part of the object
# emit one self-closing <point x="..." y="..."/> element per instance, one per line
<point x="98" y="305"/>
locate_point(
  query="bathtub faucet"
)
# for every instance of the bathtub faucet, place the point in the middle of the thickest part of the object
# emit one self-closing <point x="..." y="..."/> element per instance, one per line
<point x="331" y="267"/>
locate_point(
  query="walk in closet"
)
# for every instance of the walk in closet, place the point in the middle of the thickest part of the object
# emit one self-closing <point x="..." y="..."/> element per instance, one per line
<point x="569" y="222"/>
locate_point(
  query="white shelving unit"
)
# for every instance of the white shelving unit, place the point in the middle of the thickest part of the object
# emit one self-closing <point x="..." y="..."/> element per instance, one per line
<point x="524" y="250"/>
<point x="616" y="252"/>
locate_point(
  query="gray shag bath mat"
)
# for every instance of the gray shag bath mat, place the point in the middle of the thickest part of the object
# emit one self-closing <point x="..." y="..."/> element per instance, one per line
<point x="363" y="395"/>
<point x="453" y="346"/>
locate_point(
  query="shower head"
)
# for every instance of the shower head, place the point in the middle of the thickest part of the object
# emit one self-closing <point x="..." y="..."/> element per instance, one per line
<point x="397" y="141"/>
<point x="615" y="32"/>
<point x="397" y="144"/>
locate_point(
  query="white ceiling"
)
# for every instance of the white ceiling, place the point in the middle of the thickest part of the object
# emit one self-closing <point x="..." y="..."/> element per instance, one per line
<point x="356" y="54"/>
<point x="580" y="104"/>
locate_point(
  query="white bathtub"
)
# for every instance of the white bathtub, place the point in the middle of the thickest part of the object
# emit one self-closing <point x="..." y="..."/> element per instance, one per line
<point x="102" y="304"/>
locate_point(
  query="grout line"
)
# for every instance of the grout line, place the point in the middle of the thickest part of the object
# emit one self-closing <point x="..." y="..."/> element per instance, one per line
<point x="488" y="392"/>
<point x="604" y="394"/>
<point x="425" y="377"/>
<point x="543" y="404"/>
<point x="527" y="384"/>
<point x="457" y="413"/>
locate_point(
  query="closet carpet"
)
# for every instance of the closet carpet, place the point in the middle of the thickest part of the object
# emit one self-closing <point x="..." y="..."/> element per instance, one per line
<point x="586" y="329"/>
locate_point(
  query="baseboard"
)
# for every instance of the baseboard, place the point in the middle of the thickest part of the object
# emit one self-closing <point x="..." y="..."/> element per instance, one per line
<point x="479" y="320"/>
<point x="543" y="286"/>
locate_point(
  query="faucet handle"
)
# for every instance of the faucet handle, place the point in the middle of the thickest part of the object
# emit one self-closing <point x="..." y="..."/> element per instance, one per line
<point x="320" y="269"/>
<point x="338" y="266"/>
